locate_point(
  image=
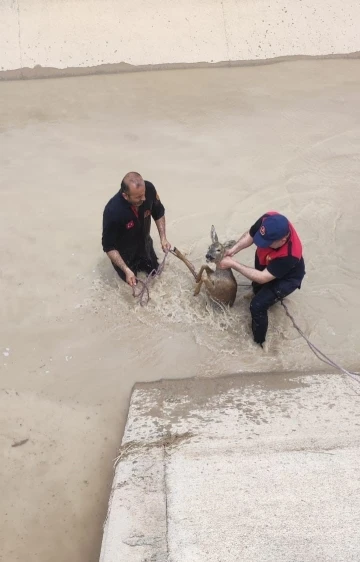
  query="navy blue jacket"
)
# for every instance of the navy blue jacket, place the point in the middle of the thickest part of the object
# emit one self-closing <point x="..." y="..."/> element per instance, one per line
<point x="127" y="229"/>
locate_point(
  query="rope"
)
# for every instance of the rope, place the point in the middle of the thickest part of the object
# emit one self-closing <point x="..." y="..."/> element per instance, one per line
<point x="143" y="294"/>
<point x="319" y="354"/>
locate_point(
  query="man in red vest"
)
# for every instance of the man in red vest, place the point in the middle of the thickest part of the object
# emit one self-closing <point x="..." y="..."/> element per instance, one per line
<point x="279" y="266"/>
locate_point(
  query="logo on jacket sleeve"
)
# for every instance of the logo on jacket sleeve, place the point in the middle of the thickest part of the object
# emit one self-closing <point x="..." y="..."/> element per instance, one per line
<point x="129" y="225"/>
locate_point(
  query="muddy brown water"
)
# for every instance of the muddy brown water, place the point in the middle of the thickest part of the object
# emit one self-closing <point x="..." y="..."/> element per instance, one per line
<point x="222" y="146"/>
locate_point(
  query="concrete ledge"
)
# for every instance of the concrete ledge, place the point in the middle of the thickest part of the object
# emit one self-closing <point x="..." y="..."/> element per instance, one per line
<point x="252" y="468"/>
<point x="53" y="34"/>
<point x="39" y="72"/>
<point x="139" y="482"/>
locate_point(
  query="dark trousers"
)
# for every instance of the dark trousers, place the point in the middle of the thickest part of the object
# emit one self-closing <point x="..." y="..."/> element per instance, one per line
<point x="139" y="263"/>
<point x="265" y="296"/>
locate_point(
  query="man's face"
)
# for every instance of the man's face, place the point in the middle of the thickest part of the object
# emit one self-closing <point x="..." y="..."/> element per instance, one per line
<point x="136" y="194"/>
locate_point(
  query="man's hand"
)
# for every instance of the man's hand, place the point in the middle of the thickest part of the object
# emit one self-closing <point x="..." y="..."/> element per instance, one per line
<point x="130" y="277"/>
<point x="226" y="263"/>
<point x="244" y="242"/>
<point x="230" y="253"/>
<point x="166" y="246"/>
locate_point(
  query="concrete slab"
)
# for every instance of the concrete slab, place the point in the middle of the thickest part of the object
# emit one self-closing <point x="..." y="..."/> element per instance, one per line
<point x="55" y="38"/>
<point x="10" y="36"/>
<point x="252" y="468"/>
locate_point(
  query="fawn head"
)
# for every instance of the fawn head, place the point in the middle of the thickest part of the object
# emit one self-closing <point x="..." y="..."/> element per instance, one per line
<point x="216" y="250"/>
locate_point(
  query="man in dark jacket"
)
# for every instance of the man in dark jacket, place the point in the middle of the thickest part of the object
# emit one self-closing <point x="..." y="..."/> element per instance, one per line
<point x="126" y="227"/>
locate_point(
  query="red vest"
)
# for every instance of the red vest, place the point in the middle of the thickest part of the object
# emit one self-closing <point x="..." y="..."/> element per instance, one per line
<point x="292" y="247"/>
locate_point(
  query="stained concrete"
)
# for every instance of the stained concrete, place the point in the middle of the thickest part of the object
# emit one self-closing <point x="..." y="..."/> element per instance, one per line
<point x="53" y="37"/>
<point x="257" y="469"/>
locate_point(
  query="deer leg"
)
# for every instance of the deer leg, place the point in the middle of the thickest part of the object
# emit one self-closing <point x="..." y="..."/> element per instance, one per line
<point x="181" y="257"/>
<point x="200" y="279"/>
<point x="208" y="284"/>
<point x="198" y="287"/>
<point x="202" y="269"/>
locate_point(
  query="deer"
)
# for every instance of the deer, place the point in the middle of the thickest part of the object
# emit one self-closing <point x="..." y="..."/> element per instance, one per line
<point x="220" y="285"/>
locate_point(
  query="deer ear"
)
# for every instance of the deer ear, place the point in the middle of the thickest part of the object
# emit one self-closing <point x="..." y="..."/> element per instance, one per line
<point x="229" y="244"/>
<point x="214" y="237"/>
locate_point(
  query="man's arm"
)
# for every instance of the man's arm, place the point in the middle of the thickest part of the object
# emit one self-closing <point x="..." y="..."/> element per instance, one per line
<point x="117" y="260"/>
<point x="158" y="214"/>
<point x="248" y="272"/>
<point x="110" y="227"/>
<point x="244" y="242"/>
<point x="161" y="226"/>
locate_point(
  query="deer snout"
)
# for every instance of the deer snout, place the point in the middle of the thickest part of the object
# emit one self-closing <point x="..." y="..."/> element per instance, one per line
<point x="209" y="257"/>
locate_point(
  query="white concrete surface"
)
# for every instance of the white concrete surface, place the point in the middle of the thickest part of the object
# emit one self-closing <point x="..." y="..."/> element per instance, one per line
<point x="76" y="34"/>
<point x="251" y="468"/>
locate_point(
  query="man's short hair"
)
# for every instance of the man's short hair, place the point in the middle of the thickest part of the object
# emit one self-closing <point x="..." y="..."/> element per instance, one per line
<point x="131" y="177"/>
